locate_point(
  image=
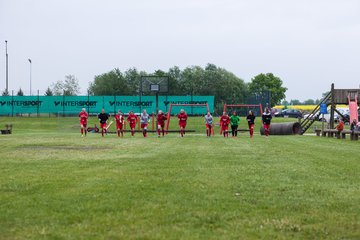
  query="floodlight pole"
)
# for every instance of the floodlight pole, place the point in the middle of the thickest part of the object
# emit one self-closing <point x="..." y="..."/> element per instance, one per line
<point x="30" y="75"/>
<point x="7" y="68"/>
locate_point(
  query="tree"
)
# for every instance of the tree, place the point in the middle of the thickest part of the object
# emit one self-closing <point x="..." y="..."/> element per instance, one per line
<point x="284" y="102"/>
<point x="132" y="79"/>
<point x="309" y="102"/>
<point x="69" y="87"/>
<point x="20" y="93"/>
<point x="174" y="75"/>
<point x="115" y="83"/>
<point x="58" y="88"/>
<point x="193" y="80"/>
<point x="5" y="93"/>
<point x="268" y="82"/>
<point x="190" y="80"/>
<point x="48" y="92"/>
<point x="295" y="102"/>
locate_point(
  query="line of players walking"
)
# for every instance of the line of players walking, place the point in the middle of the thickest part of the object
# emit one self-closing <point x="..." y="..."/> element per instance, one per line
<point x="132" y="119"/>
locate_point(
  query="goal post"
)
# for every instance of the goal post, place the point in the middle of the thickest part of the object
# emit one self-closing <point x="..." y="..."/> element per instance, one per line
<point x="256" y="106"/>
<point x="172" y="105"/>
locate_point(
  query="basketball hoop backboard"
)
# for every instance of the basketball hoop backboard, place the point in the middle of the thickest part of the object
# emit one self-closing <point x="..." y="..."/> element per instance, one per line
<point x="154" y="84"/>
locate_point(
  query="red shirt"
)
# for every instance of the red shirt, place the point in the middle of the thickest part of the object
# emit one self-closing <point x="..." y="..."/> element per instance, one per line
<point x="224" y="120"/>
<point x="340" y="126"/>
<point x="83" y="116"/>
<point x="161" y="119"/>
<point x="119" y="119"/>
<point x="182" y="117"/>
<point x="132" y="119"/>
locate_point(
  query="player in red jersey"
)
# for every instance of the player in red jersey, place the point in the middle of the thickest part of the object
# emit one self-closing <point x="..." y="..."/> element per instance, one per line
<point x="182" y="116"/>
<point x="224" y="123"/>
<point x="83" y="117"/>
<point x="161" y="118"/>
<point x="119" y="119"/>
<point x="132" y="119"/>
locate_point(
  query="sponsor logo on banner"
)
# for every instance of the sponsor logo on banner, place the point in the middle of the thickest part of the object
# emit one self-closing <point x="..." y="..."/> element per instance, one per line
<point x="75" y="103"/>
<point x="21" y="103"/>
<point x="184" y="102"/>
<point x="131" y="103"/>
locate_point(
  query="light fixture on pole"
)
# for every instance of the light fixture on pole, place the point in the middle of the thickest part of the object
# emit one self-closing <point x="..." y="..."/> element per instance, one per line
<point x="30" y="76"/>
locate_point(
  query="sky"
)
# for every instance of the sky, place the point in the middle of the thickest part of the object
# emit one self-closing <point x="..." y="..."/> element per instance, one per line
<point x="308" y="44"/>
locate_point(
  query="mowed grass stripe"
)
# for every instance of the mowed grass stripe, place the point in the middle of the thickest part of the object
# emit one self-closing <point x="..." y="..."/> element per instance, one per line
<point x="56" y="185"/>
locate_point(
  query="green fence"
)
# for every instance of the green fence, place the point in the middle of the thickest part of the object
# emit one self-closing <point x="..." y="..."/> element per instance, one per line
<point x="19" y="105"/>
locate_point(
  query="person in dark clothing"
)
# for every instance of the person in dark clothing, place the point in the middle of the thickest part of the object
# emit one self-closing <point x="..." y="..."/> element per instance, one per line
<point x="353" y="126"/>
<point x="251" y="122"/>
<point x="266" y="120"/>
<point x="103" y="117"/>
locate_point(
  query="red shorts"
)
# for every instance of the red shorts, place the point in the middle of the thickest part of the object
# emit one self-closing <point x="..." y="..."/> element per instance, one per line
<point x="182" y="124"/>
<point x="102" y="125"/>
<point x="132" y="125"/>
<point x="161" y="125"/>
<point x="224" y="127"/>
<point x="208" y="126"/>
<point x="144" y="125"/>
<point x="83" y="123"/>
<point x="119" y="126"/>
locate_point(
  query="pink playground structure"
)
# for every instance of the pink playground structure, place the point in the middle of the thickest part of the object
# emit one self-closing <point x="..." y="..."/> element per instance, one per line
<point x="353" y="108"/>
<point x="335" y="96"/>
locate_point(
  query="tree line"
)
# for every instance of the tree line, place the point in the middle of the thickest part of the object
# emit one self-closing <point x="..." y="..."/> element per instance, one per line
<point x="225" y="86"/>
<point x="193" y="80"/>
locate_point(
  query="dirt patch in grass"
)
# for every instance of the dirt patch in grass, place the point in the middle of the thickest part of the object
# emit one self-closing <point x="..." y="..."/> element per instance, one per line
<point x="64" y="147"/>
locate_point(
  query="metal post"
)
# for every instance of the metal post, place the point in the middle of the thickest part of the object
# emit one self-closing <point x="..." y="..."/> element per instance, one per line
<point x="157" y="107"/>
<point x="63" y="103"/>
<point x="332" y="107"/>
<point x="30" y="75"/>
<point x="140" y="91"/>
<point x="114" y="104"/>
<point x="140" y="102"/>
<point x="166" y="99"/>
<point x="88" y="102"/>
<point x="38" y="103"/>
<point x="7" y="69"/>
<point x="191" y="101"/>
<point x="12" y="103"/>
<point x="269" y="93"/>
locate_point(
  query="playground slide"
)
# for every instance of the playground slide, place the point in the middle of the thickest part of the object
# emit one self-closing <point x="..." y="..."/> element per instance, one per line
<point x="353" y="107"/>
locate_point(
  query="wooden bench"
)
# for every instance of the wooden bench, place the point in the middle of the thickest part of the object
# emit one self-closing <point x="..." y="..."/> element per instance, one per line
<point x="318" y="132"/>
<point x="354" y="135"/>
<point x="330" y="133"/>
<point x="7" y="130"/>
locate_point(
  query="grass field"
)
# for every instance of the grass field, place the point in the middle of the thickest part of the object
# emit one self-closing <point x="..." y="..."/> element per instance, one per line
<point x="56" y="185"/>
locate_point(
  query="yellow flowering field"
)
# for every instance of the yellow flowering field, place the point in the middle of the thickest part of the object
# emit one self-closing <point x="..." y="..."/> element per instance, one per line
<point x="305" y="107"/>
